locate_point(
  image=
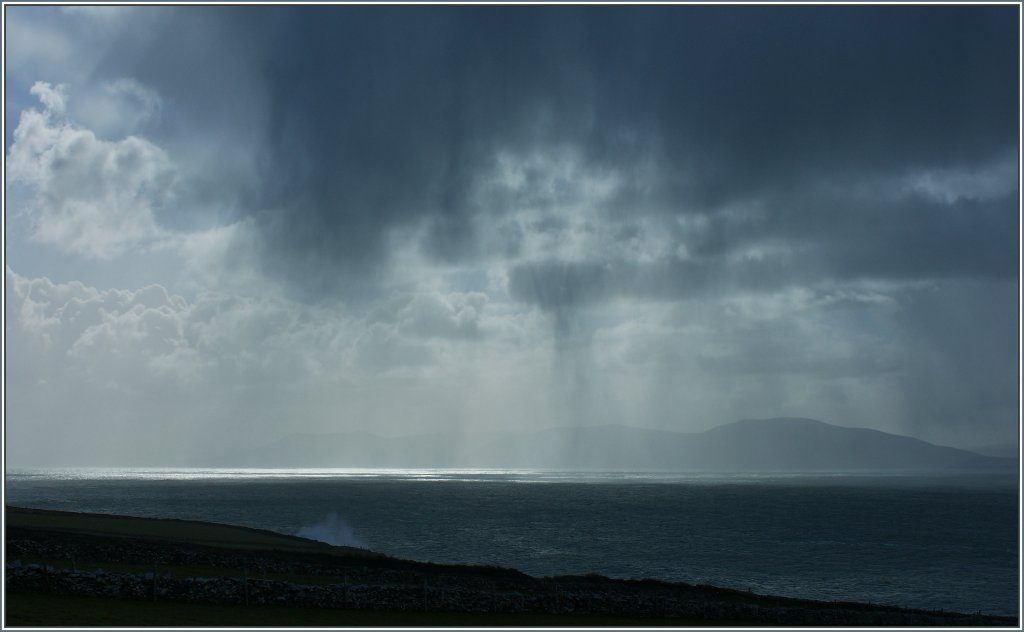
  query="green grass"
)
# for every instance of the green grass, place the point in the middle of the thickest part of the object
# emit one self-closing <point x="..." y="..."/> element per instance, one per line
<point x="194" y="532"/>
<point x="38" y="610"/>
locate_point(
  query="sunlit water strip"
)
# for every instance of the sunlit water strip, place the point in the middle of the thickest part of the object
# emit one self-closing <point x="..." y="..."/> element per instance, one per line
<point x="498" y="475"/>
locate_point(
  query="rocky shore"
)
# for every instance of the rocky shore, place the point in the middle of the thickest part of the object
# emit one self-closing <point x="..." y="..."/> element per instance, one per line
<point x="88" y="564"/>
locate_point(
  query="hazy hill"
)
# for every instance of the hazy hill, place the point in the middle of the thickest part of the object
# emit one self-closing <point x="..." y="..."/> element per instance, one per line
<point x="808" y="445"/>
<point x="1004" y="450"/>
<point x="764" y="445"/>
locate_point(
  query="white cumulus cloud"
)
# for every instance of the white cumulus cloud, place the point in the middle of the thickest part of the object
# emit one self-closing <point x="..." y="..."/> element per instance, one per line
<point x="456" y="315"/>
<point x="118" y="108"/>
<point x="89" y="197"/>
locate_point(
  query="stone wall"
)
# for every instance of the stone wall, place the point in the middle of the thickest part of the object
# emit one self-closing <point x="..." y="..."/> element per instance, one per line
<point x="548" y="597"/>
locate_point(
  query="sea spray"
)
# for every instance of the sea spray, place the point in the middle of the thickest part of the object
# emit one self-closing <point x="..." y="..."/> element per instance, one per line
<point x="333" y="530"/>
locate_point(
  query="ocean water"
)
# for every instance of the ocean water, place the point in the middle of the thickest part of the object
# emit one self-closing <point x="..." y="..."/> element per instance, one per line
<point x="938" y="543"/>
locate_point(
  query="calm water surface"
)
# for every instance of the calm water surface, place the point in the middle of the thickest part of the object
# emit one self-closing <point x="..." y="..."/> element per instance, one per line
<point x="936" y="543"/>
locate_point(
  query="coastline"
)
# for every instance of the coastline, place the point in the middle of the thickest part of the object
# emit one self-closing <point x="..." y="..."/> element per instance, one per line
<point x="188" y="567"/>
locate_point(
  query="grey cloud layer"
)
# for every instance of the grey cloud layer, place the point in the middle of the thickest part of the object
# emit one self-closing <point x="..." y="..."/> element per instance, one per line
<point x="365" y="121"/>
<point x="724" y="212"/>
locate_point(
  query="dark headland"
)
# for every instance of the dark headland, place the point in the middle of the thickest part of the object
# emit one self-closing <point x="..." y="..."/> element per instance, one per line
<point x="74" y="569"/>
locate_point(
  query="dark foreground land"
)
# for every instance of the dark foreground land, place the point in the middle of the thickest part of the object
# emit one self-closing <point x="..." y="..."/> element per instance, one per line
<point x="67" y="569"/>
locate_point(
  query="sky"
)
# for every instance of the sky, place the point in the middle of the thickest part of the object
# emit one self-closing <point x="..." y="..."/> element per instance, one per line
<point x="225" y="225"/>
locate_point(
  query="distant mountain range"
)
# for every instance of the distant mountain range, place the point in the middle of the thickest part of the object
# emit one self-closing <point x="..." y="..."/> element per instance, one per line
<point x="753" y="445"/>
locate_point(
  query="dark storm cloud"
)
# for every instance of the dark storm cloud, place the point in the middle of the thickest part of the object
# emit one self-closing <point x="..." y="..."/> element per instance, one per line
<point x="904" y="243"/>
<point x="385" y="118"/>
<point x="785" y="95"/>
<point x="554" y="285"/>
<point x="363" y="120"/>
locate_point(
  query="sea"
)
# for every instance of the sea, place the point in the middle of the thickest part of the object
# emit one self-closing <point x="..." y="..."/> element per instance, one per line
<point x="932" y="542"/>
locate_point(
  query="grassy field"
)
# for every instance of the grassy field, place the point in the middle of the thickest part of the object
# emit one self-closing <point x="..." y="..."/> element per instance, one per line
<point x="37" y="610"/>
<point x="171" y="530"/>
<point x="32" y="609"/>
<point x="121" y="543"/>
